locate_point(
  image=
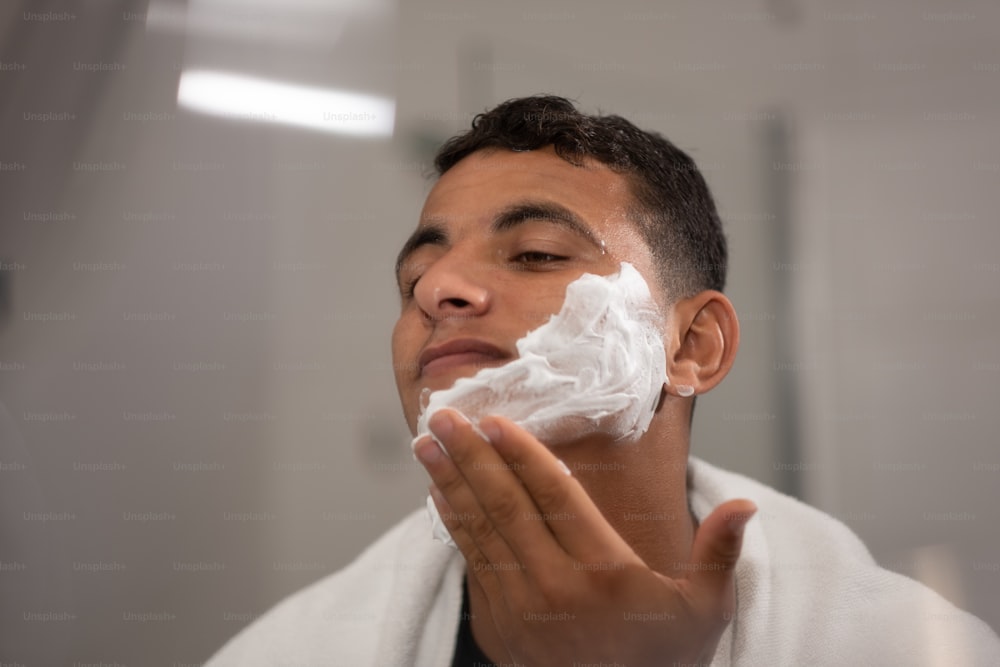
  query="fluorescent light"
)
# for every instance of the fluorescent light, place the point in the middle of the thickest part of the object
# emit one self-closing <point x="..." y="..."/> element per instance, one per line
<point x="297" y="23"/>
<point x="246" y="98"/>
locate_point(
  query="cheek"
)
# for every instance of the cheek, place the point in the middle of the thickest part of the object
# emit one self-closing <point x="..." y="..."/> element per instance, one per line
<point x="403" y="358"/>
<point x="530" y="303"/>
<point x="524" y="315"/>
<point x="408" y="336"/>
<point x="398" y="347"/>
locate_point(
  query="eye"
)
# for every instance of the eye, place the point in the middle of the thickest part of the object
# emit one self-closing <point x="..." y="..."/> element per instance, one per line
<point x="537" y="257"/>
<point x="408" y="275"/>
<point x="407" y="288"/>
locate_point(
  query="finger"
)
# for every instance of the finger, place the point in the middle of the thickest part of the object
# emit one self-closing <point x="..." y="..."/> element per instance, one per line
<point x="477" y="565"/>
<point x="716" y="549"/>
<point x="572" y="516"/>
<point x="445" y="475"/>
<point x="468" y="512"/>
<point x="504" y="528"/>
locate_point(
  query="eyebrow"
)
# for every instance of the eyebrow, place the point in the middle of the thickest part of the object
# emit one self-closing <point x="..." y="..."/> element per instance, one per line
<point x="509" y="218"/>
<point x="429" y="234"/>
<point x="547" y="211"/>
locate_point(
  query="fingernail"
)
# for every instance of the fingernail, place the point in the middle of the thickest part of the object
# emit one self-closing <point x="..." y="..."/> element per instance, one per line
<point x="564" y="467"/>
<point x="491" y="430"/>
<point x="413" y="445"/>
<point x="739" y="522"/>
<point x="427" y="450"/>
<point x="441" y="425"/>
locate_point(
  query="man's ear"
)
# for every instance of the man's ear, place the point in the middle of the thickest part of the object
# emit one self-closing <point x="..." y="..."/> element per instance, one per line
<point x="706" y="335"/>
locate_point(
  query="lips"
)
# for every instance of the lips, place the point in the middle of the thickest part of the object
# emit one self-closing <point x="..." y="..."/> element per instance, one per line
<point x="458" y="352"/>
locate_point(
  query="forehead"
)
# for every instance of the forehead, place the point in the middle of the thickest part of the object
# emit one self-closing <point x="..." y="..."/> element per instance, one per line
<point x="490" y="180"/>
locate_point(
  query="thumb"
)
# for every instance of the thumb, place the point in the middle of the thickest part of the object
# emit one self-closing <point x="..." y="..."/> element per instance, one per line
<point x="716" y="549"/>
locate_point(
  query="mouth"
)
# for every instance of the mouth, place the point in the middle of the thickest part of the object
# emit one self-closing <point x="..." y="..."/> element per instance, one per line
<point x="452" y="354"/>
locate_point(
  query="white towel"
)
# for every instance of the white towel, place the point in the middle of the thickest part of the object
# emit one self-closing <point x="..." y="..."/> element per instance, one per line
<point x="808" y="593"/>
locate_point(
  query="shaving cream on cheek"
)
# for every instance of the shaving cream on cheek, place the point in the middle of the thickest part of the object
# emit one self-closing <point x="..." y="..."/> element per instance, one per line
<point x="596" y="366"/>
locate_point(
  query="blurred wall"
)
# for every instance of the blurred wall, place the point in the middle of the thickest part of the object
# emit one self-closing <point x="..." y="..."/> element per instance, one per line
<point x="194" y="356"/>
<point x="900" y="369"/>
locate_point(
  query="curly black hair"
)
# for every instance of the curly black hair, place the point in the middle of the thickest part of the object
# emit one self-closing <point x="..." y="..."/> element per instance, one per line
<point x="674" y="210"/>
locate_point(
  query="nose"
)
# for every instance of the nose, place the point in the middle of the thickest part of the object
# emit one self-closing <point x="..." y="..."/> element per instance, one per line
<point x="450" y="288"/>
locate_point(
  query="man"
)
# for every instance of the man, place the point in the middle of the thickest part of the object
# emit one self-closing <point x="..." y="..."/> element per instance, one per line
<point x="553" y="568"/>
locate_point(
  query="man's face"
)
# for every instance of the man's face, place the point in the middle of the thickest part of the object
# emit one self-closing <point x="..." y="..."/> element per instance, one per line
<point x="500" y="237"/>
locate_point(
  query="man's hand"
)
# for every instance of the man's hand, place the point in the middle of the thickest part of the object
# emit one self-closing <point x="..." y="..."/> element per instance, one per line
<point x="563" y="586"/>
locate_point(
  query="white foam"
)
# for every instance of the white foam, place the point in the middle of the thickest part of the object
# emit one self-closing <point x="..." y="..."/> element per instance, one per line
<point x="596" y="366"/>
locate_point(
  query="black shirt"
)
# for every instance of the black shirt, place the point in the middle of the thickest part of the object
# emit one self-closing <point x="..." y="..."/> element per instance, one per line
<point x="467" y="651"/>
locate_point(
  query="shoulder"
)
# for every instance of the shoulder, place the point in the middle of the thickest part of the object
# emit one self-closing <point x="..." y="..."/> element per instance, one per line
<point x="809" y="588"/>
<point x="339" y="615"/>
<point x="791" y="527"/>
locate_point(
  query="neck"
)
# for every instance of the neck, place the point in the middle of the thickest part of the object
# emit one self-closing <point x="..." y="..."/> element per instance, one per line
<point x="652" y="515"/>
